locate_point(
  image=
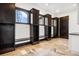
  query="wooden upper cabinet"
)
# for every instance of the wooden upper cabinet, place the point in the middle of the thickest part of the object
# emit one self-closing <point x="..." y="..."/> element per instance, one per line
<point x="7" y="13"/>
<point x="35" y="15"/>
<point x="49" y="19"/>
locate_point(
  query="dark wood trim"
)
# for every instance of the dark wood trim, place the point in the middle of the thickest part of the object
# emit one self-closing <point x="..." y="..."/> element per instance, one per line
<point x="22" y="9"/>
<point x="19" y="45"/>
<point x="74" y="34"/>
<point x="22" y="39"/>
<point x="36" y="42"/>
<point x="41" y="25"/>
<point x="7" y="50"/>
<point x="22" y="23"/>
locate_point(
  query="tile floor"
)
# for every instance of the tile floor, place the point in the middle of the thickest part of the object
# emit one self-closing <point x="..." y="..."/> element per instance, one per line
<point x="53" y="47"/>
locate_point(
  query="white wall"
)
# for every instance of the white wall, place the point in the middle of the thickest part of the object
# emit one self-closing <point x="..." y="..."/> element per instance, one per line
<point x="73" y="28"/>
<point x="73" y="20"/>
<point x="73" y="43"/>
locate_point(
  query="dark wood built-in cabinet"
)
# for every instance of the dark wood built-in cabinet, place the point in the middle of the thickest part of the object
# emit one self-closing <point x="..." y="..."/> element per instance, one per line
<point x="48" y="26"/>
<point x="41" y="27"/>
<point x="56" y="26"/>
<point x="64" y="23"/>
<point x="34" y="26"/>
<point x="7" y="27"/>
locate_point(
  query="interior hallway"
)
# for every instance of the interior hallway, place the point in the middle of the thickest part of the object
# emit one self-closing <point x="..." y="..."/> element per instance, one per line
<point x="53" y="47"/>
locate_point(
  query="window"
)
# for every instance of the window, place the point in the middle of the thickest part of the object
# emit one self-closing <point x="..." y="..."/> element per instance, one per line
<point x="22" y="31"/>
<point x="55" y="22"/>
<point x="41" y="32"/>
<point x="22" y="16"/>
<point x="41" y="20"/>
<point x="52" y="31"/>
<point x="51" y="22"/>
<point x="22" y="26"/>
<point x="31" y="18"/>
<point x="46" y="21"/>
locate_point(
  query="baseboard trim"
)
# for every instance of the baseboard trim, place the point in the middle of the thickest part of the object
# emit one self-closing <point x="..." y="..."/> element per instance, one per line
<point x="6" y="50"/>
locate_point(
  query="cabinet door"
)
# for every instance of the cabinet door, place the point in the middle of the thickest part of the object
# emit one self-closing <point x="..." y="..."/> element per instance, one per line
<point x="64" y="21"/>
<point x="49" y="31"/>
<point x="7" y="27"/>
<point x="36" y="33"/>
<point x="6" y="36"/>
<point x="7" y="13"/>
<point x="46" y="31"/>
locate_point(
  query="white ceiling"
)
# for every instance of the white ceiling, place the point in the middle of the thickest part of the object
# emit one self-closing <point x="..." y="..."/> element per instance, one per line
<point x="52" y="8"/>
<point x="56" y="7"/>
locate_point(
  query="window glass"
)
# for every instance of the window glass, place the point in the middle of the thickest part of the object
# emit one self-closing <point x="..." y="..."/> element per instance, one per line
<point x="22" y="31"/>
<point x="46" y="21"/>
<point x="22" y="16"/>
<point x="41" y="31"/>
<point x="55" y="23"/>
<point x="41" y="20"/>
<point x="51" y="22"/>
<point x="52" y="31"/>
<point x="31" y="18"/>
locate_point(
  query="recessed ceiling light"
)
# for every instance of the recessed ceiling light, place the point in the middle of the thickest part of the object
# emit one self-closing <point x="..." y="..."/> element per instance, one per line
<point x="46" y="4"/>
<point x="74" y="5"/>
